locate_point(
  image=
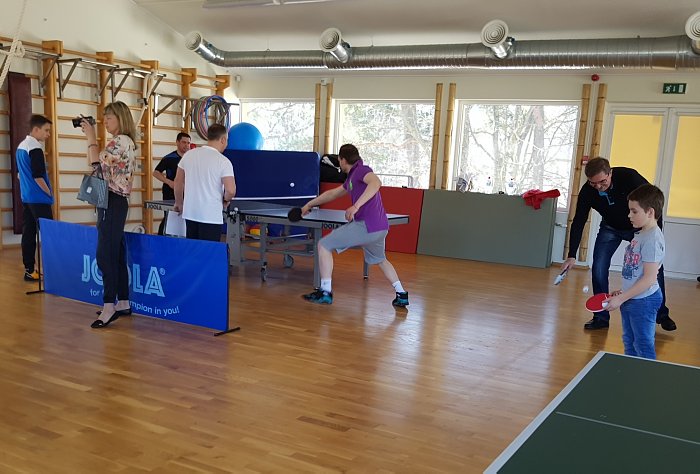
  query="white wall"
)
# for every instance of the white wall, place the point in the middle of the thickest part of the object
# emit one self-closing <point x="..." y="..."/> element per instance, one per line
<point x="471" y="84"/>
<point x="119" y="26"/>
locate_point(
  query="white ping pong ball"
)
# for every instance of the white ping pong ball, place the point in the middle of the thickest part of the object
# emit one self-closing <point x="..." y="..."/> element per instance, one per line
<point x="585" y="289"/>
<point x="291" y="185"/>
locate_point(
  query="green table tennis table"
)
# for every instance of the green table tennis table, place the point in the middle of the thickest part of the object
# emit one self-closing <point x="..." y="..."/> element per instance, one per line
<point x="619" y="414"/>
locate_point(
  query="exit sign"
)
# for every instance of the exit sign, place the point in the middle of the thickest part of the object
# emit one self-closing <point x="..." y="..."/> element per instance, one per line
<point x="674" y="88"/>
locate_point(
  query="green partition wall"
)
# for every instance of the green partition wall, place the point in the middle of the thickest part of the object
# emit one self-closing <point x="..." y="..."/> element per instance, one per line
<point x="486" y="227"/>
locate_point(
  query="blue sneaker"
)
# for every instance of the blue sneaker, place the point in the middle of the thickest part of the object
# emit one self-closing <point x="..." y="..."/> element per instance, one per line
<point x="401" y="299"/>
<point x="319" y="296"/>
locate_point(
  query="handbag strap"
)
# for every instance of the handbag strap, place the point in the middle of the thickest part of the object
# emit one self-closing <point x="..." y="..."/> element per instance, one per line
<point x="97" y="170"/>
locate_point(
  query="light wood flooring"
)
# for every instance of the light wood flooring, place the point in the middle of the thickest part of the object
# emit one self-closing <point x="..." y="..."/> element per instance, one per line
<point x="352" y="387"/>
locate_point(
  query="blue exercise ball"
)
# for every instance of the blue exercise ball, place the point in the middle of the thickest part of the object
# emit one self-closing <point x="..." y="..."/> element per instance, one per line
<point x="244" y="136"/>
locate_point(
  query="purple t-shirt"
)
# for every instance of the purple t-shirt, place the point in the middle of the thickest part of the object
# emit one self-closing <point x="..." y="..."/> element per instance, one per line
<point x="372" y="212"/>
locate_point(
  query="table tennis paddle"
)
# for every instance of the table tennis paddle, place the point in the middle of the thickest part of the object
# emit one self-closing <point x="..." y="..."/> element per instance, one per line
<point x="560" y="277"/>
<point x="294" y="214"/>
<point x="596" y="303"/>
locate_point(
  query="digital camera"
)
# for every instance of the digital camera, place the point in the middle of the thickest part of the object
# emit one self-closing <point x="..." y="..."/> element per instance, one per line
<point x="76" y="121"/>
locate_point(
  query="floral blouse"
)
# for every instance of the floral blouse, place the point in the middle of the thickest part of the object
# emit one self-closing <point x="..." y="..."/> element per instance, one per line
<point x="118" y="161"/>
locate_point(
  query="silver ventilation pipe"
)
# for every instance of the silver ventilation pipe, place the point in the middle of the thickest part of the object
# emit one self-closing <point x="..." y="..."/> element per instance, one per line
<point x="667" y="53"/>
<point x="253" y="59"/>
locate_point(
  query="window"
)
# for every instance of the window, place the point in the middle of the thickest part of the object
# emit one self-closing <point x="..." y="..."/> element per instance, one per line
<point x="516" y="147"/>
<point x="635" y="142"/>
<point x="394" y="138"/>
<point x="683" y="194"/>
<point x="284" y="125"/>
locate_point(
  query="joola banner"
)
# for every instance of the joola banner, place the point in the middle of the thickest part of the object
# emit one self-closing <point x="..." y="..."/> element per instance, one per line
<point x="176" y="279"/>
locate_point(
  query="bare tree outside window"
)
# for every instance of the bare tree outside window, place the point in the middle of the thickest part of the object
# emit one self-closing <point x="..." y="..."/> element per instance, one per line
<point x="284" y="125"/>
<point x="394" y="138"/>
<point x="517" y="147"/>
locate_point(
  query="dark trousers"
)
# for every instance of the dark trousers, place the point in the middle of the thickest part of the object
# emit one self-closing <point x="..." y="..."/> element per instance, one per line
<point x="111" y="248"/>
<point x="606" y="243"/>
<point x="167" y="194"/>
<point x="201" y="231"/>
<point x="161" y="227"/>
<point x="31" y="215"/>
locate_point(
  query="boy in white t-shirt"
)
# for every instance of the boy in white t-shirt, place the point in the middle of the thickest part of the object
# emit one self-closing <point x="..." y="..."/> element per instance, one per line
<point x="204" y="185"/>
<point x="640" y="297"/>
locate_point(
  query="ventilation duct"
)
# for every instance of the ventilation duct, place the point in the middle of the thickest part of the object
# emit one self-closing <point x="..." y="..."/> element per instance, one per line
<point x="667" y="53"/>
<point x="332" y="42"/>
<point x="692" y="29"/>
<point x="494" y="35"/>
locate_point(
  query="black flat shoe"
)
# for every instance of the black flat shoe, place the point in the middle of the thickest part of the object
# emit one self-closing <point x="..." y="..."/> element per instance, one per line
<point x="596" y="323"/>
<point x="667" y="324"/>
<point x="99" y="324"/>
<point x="121" y="312"/>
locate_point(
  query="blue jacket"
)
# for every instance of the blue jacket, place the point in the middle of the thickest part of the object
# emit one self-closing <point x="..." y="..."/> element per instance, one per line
<point x="31" y="165"/>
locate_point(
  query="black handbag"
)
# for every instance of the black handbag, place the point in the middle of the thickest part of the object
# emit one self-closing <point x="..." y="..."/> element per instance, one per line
<point x="93" y="189"/>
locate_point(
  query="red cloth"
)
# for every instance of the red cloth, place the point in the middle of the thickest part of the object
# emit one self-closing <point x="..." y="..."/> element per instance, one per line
<point x="534" y="197"/>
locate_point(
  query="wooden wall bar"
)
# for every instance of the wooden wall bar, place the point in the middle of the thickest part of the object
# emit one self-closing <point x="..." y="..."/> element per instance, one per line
<point x="87" y="92"/>
<point x="436" y="135"/>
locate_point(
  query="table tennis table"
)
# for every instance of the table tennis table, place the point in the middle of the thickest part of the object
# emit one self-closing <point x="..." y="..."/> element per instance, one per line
<point x="242" y="212"/>
<point x="619" y="414"/>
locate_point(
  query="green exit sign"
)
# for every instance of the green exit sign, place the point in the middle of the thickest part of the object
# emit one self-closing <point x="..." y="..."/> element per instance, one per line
<point x="674" y="88"/>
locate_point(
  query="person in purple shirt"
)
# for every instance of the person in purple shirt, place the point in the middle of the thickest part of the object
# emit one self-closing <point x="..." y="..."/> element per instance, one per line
<point x="367" y="226"/>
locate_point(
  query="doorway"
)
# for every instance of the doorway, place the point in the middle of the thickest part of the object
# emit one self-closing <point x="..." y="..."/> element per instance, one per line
<point x="663" y="145"/>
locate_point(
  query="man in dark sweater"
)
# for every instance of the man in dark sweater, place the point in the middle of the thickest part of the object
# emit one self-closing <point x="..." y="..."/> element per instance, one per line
<point x="606" y="191"/>
<point x="167" y="169"/>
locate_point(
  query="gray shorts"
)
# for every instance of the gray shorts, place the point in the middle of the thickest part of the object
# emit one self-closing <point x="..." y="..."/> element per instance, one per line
<point x="354" y="234"/>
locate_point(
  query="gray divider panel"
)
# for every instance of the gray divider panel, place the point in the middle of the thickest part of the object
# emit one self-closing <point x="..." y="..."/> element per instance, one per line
<point x="486" y="227"/>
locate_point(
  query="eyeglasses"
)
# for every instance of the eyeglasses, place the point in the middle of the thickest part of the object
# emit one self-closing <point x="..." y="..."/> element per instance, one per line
<point x="599" y="183"/>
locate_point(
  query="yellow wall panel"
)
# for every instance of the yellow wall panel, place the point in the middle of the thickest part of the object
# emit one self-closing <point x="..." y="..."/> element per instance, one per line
<point x="684" y="195"/>
<point x="635" y="143"/>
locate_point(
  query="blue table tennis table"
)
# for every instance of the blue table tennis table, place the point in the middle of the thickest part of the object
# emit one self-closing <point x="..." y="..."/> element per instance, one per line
<point x="290" y="245"/>
<point x="619" y="414"/>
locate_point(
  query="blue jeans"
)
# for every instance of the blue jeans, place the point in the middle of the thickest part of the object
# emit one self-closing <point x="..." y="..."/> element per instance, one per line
<point x="606" y="242"/>
<point x="639" y="325"/>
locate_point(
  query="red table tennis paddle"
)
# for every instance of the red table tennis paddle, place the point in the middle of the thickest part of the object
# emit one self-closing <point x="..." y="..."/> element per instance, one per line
<point x="294" y="214"/>
<point x="595" y="303"/>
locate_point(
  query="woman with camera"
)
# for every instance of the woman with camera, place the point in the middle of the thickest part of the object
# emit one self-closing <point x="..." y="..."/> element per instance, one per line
<point x="117" y="162"/>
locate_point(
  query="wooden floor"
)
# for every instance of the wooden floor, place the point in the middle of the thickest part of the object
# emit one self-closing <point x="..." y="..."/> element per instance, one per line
<point x="352" y="387"/>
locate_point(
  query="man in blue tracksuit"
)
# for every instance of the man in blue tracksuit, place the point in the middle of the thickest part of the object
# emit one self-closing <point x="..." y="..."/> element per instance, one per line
<point x="35" y="188"/>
